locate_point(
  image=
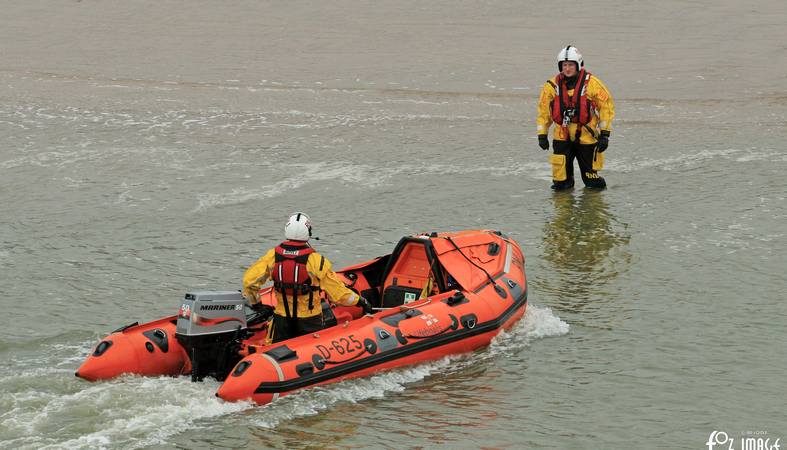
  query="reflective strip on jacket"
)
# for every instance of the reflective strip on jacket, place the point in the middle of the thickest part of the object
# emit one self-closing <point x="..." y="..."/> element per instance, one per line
<point x="323" y="277"/>
<point x="601" y="119"/>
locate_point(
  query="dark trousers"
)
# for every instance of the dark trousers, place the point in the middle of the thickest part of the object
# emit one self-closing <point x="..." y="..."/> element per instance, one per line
<point x="585" y="154"/>
<point x="282" y="328"/>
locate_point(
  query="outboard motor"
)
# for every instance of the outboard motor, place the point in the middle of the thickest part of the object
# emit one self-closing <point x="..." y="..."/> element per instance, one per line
<point x="210" y="326"/>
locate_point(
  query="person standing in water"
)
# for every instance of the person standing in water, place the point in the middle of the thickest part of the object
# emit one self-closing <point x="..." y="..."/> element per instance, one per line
<point x="581" y="108"/>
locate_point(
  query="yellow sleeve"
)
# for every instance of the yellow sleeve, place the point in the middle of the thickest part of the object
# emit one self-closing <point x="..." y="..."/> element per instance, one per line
<point x="599" y="94"/>
<point x="544" y="119"/>
<point x="257" y="275"/>
<point x="320" y="269"/>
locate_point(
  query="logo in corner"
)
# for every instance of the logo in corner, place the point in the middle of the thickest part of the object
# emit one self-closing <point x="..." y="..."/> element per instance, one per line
<point x="749" y="440"/>
<point x="717" y="438"/>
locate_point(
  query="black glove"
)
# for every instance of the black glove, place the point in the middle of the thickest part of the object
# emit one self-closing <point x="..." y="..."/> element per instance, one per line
<point x="263" y="311"/>
<point x="543" y="142"/>
<point x="603" y="141"/>
<point x="367" y="307"/>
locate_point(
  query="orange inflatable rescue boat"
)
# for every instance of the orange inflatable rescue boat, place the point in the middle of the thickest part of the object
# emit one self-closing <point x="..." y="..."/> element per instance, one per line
<point x="435" y="295"/>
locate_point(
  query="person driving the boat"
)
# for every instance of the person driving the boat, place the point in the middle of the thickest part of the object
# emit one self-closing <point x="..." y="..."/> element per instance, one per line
<point x="299" y="273"/>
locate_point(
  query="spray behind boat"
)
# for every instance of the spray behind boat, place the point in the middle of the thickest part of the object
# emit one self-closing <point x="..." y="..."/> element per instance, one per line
<point x="210" y="327"/>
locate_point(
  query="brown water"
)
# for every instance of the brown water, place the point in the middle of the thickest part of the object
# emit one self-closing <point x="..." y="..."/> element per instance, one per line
<point x="150" y="148"/>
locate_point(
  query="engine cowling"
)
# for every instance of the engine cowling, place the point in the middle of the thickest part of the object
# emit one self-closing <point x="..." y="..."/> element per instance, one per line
<point x="210" y="327"/>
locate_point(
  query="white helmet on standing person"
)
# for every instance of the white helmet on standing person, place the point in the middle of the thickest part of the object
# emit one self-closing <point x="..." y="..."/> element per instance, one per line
<point x="570" y="53"/>
<point x="298" y="227"/>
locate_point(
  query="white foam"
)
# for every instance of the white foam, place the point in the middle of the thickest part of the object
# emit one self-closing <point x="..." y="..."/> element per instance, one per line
<point x="361" y="175"/>
<point x="771" y="156"/>
<point x="538" y="323"/>
<point x="51" y="158"/>
<point x="307" y="173"/>
<point x="134" y="412"/>
<point x="674" y="162"/>
<point x="417" y="102"/>
<point x="311" y="401"/>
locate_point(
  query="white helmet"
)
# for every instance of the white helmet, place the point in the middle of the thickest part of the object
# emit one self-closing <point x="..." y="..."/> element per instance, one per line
<point x="298" y="228"/>
<point x="570" y="53"/>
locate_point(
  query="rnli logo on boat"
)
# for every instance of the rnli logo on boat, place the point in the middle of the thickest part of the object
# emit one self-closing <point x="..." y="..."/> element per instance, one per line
<point x="185" y="311"/>
<point x="429" y="319"/>
<point x="430" y="326"/>
<point x="749" y="440"/>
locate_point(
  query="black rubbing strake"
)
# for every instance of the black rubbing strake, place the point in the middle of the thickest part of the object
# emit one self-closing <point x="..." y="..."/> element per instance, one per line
<point x="401" y="352"/>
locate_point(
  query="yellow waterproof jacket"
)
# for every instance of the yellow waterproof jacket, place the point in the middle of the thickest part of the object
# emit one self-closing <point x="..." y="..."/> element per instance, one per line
<point x="602" y="114"/>
<point x="321" y="274"/>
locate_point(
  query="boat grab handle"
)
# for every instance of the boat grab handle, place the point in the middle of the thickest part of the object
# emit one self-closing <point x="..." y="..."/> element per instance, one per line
<point x="415" y="304"/>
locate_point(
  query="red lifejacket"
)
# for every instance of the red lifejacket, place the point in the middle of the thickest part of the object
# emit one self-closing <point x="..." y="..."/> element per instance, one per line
<point x="574" y="109"/>
<point x="290" y="276"/>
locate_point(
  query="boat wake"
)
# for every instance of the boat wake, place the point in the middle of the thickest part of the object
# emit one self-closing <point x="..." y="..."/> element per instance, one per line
<point x="538" y="323"/>
<point x="46" y="406"/>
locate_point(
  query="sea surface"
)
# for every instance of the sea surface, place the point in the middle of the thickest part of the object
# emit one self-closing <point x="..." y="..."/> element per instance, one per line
<point x="149" y="148"/>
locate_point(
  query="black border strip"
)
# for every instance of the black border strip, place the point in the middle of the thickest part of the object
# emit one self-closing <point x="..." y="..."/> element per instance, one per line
<point x="489" y="283"/>
<point x="400" y="352"/>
